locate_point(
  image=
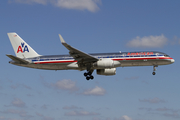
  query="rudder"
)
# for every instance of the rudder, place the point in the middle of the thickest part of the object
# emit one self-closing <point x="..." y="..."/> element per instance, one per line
<point x="21" y="48"/>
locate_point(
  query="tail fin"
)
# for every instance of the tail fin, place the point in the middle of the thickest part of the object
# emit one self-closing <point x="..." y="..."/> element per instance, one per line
<point x="21" y="48"/>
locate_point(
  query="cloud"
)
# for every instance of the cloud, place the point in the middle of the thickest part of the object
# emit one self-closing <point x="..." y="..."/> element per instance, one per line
<point x="80" y="113"/>
<point x="29" y="1"/>
<point x="48" y="118"/>
<point x="148" y="42"/>
<point x="175" y="40"/>
<point x="167" y="112"/>
<point x="44" y="117"/>
<point x="44" y="107"/>
<point x="30" y="95"/>
<point x="18" y="103"/>
<point x="21" y="113"/>
<point x="124" y="117"/>
<point x="20" y="86"/>
<point x="95" y="118"/>
<point x="163" y="109"/>
<point x="153" y="101"/>
<point x="65" y="85"/>
<point x="147" y="109"/>
<point x="2" y="118"/>
<point x="173" y="115"/>
<point x="97" y="91"/>
<point x="39" y="114"/>
<point x="90" y="5"/>
<point x="71" y="107"/>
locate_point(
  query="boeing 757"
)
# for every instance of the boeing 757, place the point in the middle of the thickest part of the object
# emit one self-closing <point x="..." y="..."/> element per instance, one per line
<point x="103" y="63"/>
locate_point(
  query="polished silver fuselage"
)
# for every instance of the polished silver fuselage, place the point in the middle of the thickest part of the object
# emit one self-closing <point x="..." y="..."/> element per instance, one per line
<point x="66" y="62"/>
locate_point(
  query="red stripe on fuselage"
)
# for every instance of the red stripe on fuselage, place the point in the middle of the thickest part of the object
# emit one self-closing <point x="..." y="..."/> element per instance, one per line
<point x="143" y="58"/>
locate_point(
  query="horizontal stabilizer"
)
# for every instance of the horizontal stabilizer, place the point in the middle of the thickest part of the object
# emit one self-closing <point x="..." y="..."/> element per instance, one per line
<point x="16" y="59"/>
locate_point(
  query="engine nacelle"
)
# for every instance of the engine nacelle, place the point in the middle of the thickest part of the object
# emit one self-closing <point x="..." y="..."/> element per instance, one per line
<point x="108" y="71"/>
<point x="106" y="63"/>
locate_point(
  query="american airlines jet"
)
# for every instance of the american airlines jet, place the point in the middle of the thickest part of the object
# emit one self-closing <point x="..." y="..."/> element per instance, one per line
<point x="103" y="63"/>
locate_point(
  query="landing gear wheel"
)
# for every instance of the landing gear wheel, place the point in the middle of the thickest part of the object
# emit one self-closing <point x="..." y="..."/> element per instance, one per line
<point x="154" y="73"/>
<point x="85" y="74"/>
<point x="87" y="78"/>
<point x="92" y="77"/>
<point x="88" y="75"/>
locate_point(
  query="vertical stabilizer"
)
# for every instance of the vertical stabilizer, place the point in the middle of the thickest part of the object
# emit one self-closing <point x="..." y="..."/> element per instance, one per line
<point x="21" y="48"/>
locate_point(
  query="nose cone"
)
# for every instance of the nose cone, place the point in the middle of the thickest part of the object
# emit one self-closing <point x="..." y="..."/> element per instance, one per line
<point x="172" y="60"/>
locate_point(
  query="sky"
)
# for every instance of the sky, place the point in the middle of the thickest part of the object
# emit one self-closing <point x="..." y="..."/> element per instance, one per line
<point x="92" y="26"/>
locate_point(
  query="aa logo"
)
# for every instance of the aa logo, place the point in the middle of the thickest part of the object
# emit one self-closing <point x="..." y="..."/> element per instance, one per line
<point x="23" y="48"/>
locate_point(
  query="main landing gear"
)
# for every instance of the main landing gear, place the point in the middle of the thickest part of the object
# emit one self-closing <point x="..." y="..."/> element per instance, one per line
<point x="88" y="75"/>
<point x="154" y="69"/>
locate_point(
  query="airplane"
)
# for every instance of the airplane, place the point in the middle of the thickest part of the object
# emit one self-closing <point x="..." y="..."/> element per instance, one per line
<point x="103" y="63"/>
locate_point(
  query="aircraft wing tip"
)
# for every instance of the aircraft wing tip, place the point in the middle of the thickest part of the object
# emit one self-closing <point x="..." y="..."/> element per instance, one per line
<point x="61" y="38"/>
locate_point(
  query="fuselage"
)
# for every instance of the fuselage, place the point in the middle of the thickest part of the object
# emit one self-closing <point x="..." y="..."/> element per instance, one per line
<point x="66" y="62"/>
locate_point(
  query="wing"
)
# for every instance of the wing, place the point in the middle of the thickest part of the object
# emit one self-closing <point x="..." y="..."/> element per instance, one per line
<point x="78" y="55"/>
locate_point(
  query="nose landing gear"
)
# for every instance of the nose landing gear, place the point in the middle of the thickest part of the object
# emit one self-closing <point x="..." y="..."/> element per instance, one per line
<point x="154" y="69"/>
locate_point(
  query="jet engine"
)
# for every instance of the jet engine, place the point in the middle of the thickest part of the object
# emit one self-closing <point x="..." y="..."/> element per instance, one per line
<point x="108" y="71"/>
<point x="106" y="63"/>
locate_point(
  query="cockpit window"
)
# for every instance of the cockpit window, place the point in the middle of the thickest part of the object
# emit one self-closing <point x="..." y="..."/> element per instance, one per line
<point x="166" y="55"/>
